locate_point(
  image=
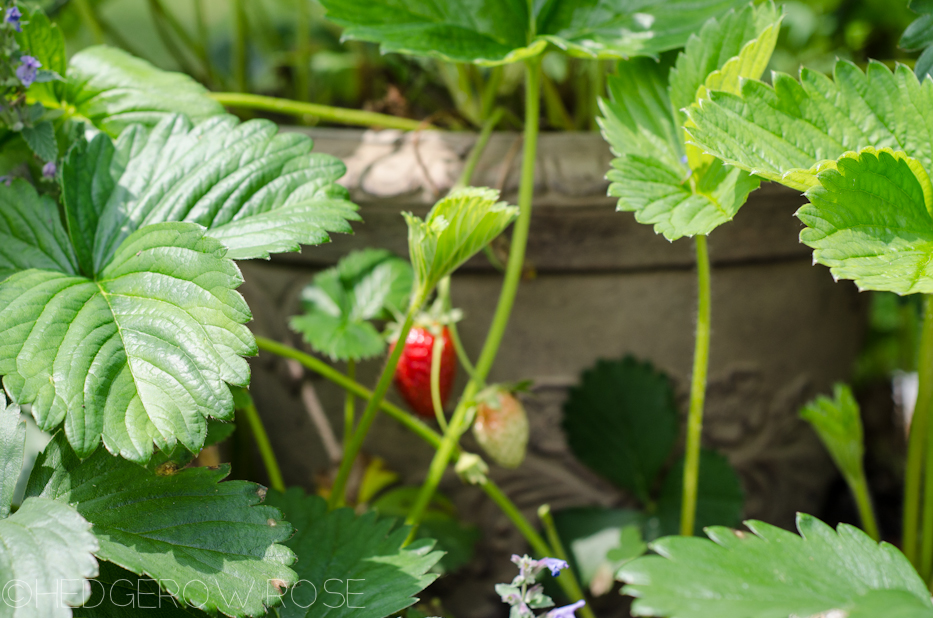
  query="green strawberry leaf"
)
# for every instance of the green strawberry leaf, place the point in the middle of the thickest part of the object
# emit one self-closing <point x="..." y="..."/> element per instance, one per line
<point x="365" y="285"/>
<point x="890" y="604"/>
<point x="440" y="523"/>
<point x="46" y="547"/>
<point x="41" y="140"/>
<point x="141" y="354"/>
<point x="869" y="220"/>
<point x="774" y="573"/>
<point x="30" y="233"/>
<point x="175" y="527"/>
<point x="132" y="329"/>
<point x="12" y="452"/>
<point x="492" y="32"/>
<point x="44" y="41"/>
<point x="349" y="564"/>
<point x="839" y="424"/>
<point x="112" y="90"/>
<point x="621" y="421"/>
<point x="456" y="228"/>
<point x="257" y="190"/>
<point x="726" y="50"/>
<point x="720" y="499"/>
<point x="789" y="132"/>
<point x="118" y="593"/>
<point x="676" y="188"/>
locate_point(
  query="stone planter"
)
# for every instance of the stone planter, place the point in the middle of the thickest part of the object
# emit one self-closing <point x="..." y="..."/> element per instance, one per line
<point x="603" y="286"/>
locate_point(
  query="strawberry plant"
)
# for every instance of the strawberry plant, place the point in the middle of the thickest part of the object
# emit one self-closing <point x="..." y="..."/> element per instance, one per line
<point x="857" y="144"/>
<point x="670" y="183"/>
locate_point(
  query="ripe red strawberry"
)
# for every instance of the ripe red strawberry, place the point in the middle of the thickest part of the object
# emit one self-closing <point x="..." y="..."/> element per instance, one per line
<point x="501" y="426"/>
<point x="413" y="374"/>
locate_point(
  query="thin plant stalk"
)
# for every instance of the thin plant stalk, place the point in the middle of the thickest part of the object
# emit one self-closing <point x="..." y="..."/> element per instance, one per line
<point x="239" y="49"/>
<point x="437" y="350"/>
<point x="352" y="117"/>
<point x="489" y="92"/>
<point x="557" y="113"/>
<point x="349" y="406"/>
<point x="506" y="297"/>
<point x="163" y="29"/>
<point x="550" y="529"/>
<point x="89" y="17"/>
<point x="919" y="436"/>
<point x="462" y="356"/>
<point x="173" y="23"/>
<point x="337" y="497"/>
<point x="302" y="64"/>
<point x="597" y="80"/>
<point x="570" y="586"/>
<point x="866" y="511"/>
<point x="697" y="390"/>
<point x="262" y="443"/>
<point x="476" y="153"/>
<point x="202" y="42"/>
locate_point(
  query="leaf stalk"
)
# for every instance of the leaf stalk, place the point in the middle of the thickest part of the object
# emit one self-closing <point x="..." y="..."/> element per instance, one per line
<point x="918" y="439"/>
<point x="697" y="390"/>
<point x="352" y="117"/>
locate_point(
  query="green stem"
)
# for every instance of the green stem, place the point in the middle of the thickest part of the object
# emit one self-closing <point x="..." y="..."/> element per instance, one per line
<point x="239" y="49"/>
<point x="917" y="442"/>
<point x="89" y="17"/>
<point x="176" y="27"/>
<point x="567" y="580"/>
<point x="353" y="117"/>
<point x="262" y="442"/>
<point x="557" y="114"/>
<point x="202" y="41"/>
<point x="460" y="350"/>
<point x="430" y="436"/>
<point x="490" y="91"/>
<point x="476" y="153"/>
<point x="163" y="27"/>
<point x="697" y="391"/>
<point x="303" y="50"/>
<point x="349" y="407"/>
<point x="597" y="80"/>
<point x="550" y="529"/>
<point x="859" y="488"/>
<point x="506" y="297"/>
<point x="329" y="373"/>
<point x="337" y="497"/>
<point x="437" y="350"/>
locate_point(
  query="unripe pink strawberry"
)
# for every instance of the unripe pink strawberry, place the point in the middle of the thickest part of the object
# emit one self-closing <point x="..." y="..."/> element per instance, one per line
<point x="501" y="426"/>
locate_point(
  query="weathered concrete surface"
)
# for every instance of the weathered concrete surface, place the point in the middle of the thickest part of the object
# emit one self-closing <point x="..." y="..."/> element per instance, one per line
<point x="605" y="286"/>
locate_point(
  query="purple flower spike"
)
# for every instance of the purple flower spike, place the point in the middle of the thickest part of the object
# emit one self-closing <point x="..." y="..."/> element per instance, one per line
<point x="13" y="16"/>
<point x="26" y="72"/>
<point x="49" y="170"/>
<point x="554" y="564"/>
<point x="567" y="611"/>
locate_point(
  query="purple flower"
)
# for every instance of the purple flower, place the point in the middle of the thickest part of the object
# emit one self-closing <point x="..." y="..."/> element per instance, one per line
<point x="567" y="611"/>
<point x="13" y="16"/>
<point x="7" y="180"/>
<point x="554" y="564"/>
<point x="26" y="72"/>
<point x="49" y="170"/>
